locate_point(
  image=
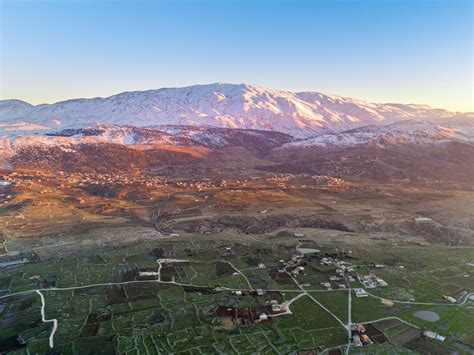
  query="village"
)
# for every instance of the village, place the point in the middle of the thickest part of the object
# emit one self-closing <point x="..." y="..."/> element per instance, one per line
<point x="152" y="179"/>
<point x="354" y="278"/>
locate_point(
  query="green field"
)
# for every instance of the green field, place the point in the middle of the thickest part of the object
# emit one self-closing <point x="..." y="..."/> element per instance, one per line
<point x="103" y="303"/>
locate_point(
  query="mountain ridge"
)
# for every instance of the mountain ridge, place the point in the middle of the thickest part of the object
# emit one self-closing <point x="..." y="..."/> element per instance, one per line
<point x="409" y="132"/>
<point x="304" y="92"/>
<point x="243" y="106"/>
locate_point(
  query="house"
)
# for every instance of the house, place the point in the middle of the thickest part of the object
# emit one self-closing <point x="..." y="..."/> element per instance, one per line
<point x="260" y="292"/>
<point x="358" y="327"/>
<point x="279" y="308"/>
<point x="422" y="219"/>
<point x="360" y="292"/>
<point x="356" y="340"/>
<point x="326" y="261"/>
<point x="449" y="299"/>
<point x="430" y="334"/>
<point x="433" y="335"/>
<point x="263" y="317"/>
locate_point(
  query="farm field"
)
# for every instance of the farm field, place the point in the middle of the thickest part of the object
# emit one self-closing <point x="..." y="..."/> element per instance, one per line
<point x="238" y="293"/>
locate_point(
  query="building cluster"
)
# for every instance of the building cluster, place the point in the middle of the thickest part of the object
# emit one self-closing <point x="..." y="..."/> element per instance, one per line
<point x="197" y="185"/>
<point x="264" y="313"/>
<point x="340" y="278"/>
<point x="344" y="271"/>
<point x="283" y="179"/>
<point x="104" y="179"/>
<point x="371" y="280"/>
<point x="296" y="271"/>
<point x="328" y="180"/>
<point x="293" y="264"/>
<point x="207" y="184"/>
<point x="433" y="335"/>
<point x="343" y="274"/>
<point x="279" y="178"/>
<point x="359" y="335"/>
<point x="82" y="179"/>
<point x="276" y="307"/>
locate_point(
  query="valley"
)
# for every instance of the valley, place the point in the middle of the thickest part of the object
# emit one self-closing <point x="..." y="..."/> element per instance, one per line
<point x="183" y="237"/>
<point x="181" y="250"/>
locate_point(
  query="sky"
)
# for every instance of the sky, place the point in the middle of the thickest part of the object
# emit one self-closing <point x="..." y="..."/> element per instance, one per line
<point x="407" y="51"/>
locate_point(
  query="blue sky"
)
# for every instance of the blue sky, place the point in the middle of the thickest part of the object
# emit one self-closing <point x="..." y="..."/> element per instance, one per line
<point x="410" y="51"/>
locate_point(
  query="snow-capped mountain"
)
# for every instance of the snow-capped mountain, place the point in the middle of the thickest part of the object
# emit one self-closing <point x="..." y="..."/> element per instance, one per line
<point x="399" y="133"/>
<point x="302" y="115"/>
<point x="13" y="108"/>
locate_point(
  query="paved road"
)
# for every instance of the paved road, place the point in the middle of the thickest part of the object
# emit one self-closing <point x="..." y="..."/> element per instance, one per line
<point x="43" y="318"/>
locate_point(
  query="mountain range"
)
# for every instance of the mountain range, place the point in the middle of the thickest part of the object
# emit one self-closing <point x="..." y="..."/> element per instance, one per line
<point x="306" y="159"/>
<point x="264" y="122"/>
<point x="239" y="106"/>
